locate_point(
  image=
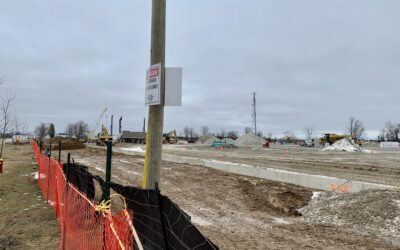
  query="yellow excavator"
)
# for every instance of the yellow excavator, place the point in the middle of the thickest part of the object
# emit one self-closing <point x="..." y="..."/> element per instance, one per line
<point x="170" y="137"/>
<point x="332" y="138"/>
<point x="103" y="137"/>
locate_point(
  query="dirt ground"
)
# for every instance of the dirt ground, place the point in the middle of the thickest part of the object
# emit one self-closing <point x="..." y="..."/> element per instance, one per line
<point x="234" y="211"/>
<point x="26" y="221"/>
<point x="381" y="166"/>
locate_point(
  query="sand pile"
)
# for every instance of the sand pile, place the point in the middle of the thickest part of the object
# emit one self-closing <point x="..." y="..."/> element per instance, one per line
<point x="376" y="212"/>
<point x="250" y="139"/>
<point x="343" y="145"/>
<point x="202" y="139"/>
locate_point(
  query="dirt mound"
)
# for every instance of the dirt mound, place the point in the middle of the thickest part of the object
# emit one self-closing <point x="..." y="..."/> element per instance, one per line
<point x="250" y="139"/>
<point x="376" y="212"/>
<point x="274" y="197"/>
<point x="66" y="143"/>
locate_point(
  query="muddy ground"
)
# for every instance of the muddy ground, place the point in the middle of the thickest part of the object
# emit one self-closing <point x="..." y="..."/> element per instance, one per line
<point x="234" y="211"/>
<point x="26" y="221"/>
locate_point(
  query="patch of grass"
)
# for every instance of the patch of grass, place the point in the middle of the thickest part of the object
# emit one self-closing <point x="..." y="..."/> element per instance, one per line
<point x="26" y="221"/>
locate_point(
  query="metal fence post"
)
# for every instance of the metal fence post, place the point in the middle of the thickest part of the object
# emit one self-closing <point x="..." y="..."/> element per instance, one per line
<point x="106" y="187"/>
<point x="48" y="174"/>
<point x="59" y="151"/>
<point x="66" y="200"/>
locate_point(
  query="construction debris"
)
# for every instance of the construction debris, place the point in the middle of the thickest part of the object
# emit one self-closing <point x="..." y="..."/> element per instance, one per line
<point x="250" y="139"/>
<point x="376" y="212"/>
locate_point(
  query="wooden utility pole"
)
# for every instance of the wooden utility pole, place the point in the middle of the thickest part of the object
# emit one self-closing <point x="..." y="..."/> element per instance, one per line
<point x="153" y="158"/>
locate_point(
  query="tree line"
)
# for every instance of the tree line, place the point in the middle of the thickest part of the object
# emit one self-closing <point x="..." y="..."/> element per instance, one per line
<point x="78" y="130"/>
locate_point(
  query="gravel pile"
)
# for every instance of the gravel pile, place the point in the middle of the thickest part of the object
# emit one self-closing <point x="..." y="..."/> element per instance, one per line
<point x="250" y="139"/>
<point x="376" y="212"/>
<point x="202" y="139"/>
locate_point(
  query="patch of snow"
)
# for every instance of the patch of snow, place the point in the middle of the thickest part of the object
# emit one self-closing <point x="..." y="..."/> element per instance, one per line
<point x="99" y="169"/>
<point x="137" y="149"/>
<point x="278" y="220"/>
<point x="315" y="194"/>
<point x="198" y="220"/>
<point x="123" y="161"/>
<point x="344" y="145"/>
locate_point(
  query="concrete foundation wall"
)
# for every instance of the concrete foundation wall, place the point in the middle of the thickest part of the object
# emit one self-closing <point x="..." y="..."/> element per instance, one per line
<point x="320" y="182"/>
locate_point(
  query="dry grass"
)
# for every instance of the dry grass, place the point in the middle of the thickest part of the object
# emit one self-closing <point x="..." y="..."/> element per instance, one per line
<point x="26" y="221"/>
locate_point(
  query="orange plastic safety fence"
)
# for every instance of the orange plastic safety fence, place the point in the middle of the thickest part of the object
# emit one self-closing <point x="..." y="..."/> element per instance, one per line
<point x="82" y="227"/>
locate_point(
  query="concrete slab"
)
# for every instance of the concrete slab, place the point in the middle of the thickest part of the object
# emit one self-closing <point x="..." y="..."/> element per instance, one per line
<point x="321" y="182"/>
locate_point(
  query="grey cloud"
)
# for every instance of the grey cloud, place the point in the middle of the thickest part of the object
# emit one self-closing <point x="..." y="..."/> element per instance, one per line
<point x="311" y="62"/>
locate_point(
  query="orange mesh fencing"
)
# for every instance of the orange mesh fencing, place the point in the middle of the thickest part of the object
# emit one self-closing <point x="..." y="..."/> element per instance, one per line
<point x="82" y="227"/>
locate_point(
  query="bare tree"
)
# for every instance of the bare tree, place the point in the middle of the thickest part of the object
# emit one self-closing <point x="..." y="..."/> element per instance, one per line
<point x="260" y="133"/>
<point x="391" y="131"/>
<point x="381" y="136"/>
<point x="70" y="130"/>
<point x="186" y="132"/>
<point x="247" y="130"/>
<point x="221" y="134"/>
<point x="204" y="130"/>
<point x="17" y="125"/>
<point x="289" y="136"/>
<point x="309" y="132"/>
<point x="81" y="129"/>
<point x="192" y="134"/>
<point x="5" y="115"/>
<point x="232" y="134"/>
<point x="41" y="131"/>
<point x="355" y="128"/>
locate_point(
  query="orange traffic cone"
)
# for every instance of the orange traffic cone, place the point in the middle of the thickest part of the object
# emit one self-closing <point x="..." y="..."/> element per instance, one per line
<point x="286" y="152"/>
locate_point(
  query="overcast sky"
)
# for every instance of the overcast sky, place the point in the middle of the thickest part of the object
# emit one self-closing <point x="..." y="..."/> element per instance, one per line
<point x="311" y="62"/>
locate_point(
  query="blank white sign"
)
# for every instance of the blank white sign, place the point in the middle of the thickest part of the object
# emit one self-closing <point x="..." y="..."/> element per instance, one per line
<point x="173" y="86"/>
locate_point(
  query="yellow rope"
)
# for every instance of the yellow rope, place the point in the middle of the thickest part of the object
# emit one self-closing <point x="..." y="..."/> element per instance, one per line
<point x="105" y="206"/>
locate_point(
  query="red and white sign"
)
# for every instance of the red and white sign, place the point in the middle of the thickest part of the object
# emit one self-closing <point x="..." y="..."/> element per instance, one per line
<point x="153" y="80"/>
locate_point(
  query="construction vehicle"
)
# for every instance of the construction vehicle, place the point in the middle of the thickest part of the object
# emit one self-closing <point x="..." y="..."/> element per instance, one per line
<point x="170" y="137"/>
<point x="140" y="137"/>
<point x="96" y="124"/>
<point x="332" y="138"/>
<point x="309" y="143"/>
<point x="103" y="137"/>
